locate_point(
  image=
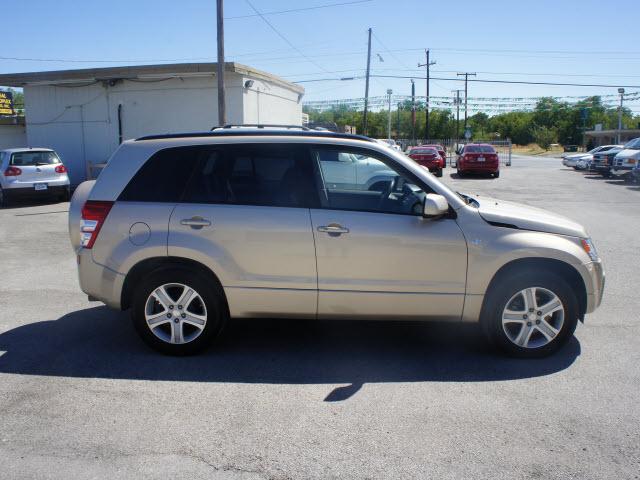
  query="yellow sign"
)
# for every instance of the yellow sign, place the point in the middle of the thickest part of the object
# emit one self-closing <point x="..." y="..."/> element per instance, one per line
<point x="6" y="103"/>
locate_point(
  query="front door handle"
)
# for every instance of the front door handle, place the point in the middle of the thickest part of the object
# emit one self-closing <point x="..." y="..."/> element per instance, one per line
<point x="195" y="222"/>
<point x="333" y="229"/>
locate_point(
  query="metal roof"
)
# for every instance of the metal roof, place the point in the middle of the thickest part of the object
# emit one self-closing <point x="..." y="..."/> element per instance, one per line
<point x="137" y="72"/>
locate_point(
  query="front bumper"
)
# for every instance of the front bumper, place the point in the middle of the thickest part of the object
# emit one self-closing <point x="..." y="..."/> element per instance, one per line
<point x="595" y="287"/>
<point x="620" y="171"/>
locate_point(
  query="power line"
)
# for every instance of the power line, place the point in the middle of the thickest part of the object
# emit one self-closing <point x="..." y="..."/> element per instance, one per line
<point x="292" y="10"/>
<point x="283" y="37"/>
<point x="520" y="82"/>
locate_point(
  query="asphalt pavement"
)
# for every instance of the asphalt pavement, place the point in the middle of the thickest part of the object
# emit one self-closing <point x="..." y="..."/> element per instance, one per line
<point x="82" y="397"/>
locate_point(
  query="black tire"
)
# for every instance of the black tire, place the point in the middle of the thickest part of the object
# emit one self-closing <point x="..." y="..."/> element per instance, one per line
<point x="502" y="292"/>
<point x="213" y="299"/>
<point x="460" y="173"/>
<point x="496" y="175"/>
<point x="439" y="173"/>
<point x="4" y="201"/>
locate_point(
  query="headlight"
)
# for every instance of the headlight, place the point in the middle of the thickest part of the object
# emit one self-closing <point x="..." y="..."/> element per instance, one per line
<point x="589" y="248"/>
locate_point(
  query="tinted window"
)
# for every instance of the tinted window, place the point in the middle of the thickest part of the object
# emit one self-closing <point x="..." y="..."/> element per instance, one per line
<point x="163" y="177"/>
<point x="479" y="149"/>
<point x="424" y="151"/>
<point x="34" y="158"/>
<point x="266" y="174"/>
<point x="365" y="184"/>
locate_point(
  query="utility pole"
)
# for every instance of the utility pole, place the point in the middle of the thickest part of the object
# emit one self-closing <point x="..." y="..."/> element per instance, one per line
<point x="413" y="112"/>
<point x="621" y="92"/>
<point x="389" y="92"/>
<point x="222" y="110"/>
<point x="398" y="115"/>
<point x="466" y="80"/>
<point x="427" y="65"/>
<point x="456" y="100"/>
<point x="366" y="87"/>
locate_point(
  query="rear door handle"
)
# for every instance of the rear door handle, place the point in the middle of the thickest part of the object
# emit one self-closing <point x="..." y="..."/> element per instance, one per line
<point x="333" y="228"/>
<point x="195" y="222"/>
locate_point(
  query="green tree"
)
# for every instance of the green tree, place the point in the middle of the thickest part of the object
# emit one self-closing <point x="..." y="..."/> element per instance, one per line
<point x="545" y="136"/>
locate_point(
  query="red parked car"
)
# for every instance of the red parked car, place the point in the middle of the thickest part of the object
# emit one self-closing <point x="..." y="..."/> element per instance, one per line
<point x="429" y="158"/>
<point x="441" y="150"/>
<point x="478" y="158"/>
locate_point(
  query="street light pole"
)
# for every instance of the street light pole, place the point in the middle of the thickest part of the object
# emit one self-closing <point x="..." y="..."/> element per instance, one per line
<point x="366" y="87"/>
<point x="389" y="92"/>
<point x="413" y="112"/>
<point x="456" y="100"/>
<point x="427" y="65"/>
<point x="222" y="110"/>
<point x="466" y="80"/>
<point x="621" y="92"/>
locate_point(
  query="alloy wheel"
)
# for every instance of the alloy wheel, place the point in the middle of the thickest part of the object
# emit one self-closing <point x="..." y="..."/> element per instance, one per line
<point x="533" y="317"/>
<point x="175" y="313"/>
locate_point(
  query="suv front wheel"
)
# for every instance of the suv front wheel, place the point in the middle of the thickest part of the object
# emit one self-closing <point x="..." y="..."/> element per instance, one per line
<point x="177" y="312"/>
<point x="530" y="314"/>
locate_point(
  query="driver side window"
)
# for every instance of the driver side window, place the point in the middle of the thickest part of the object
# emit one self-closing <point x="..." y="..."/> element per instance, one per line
<point x="364" y="183"/>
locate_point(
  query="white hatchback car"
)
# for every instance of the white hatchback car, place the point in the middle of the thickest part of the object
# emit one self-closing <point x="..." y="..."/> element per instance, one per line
<point x="32" y="172"/>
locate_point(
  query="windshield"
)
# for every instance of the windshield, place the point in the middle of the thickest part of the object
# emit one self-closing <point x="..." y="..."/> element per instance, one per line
<point x="479" y="149"/>
<point x="34" y="158"/>
<point x="633" y="144"/>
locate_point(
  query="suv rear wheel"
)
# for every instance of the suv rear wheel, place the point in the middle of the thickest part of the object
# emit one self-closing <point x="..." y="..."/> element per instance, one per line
<point x="177" y="312"/>
<point x="530" y="314"/>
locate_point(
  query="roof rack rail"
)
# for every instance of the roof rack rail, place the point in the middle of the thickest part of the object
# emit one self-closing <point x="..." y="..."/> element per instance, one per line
<point x="260" y="125"/>
<point x="232" y="132"/>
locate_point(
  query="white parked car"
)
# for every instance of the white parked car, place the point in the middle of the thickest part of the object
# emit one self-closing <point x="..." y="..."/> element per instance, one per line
<point x="625" y="161"/>
<point x="32" y="172"/>
<point x="389" y="142"/>
<point x="572" y="160"/>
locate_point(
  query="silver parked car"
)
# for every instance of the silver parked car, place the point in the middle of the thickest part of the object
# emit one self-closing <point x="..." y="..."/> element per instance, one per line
<point x="190" y="230"/>
<point x="32" y="172"/>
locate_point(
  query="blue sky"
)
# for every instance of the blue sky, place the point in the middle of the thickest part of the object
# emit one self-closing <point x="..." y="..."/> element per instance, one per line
<point x="561" y="41"/>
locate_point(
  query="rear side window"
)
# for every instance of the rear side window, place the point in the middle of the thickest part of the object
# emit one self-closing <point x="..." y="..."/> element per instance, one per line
<point x="479" y="149"/>
<point x="163" y="177"/>
<point x="266" y="175"/>
<point x="34" y="158"/>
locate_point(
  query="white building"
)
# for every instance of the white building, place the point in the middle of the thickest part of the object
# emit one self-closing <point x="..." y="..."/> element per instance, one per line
<point x="85" y="114"/>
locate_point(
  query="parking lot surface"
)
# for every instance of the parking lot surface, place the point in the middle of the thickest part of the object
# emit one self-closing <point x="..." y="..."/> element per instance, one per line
<point x="82" y="397"/>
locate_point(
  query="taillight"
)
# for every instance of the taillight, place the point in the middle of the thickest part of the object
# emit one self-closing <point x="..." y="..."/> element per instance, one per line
<point x="61" y="169"/>
<point x="94" y="213"/>
<point x="468" y="157"/>
<point x="12" y="172"/>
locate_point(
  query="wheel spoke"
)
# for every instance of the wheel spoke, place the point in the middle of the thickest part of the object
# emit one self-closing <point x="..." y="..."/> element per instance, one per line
<point x="163" y="298"/>
<point x="197" y="321"/>
<point x="513" y="318"/>
<point x="157" y="319"/>
<point x="186" y="297"/>
<point x="523" y="337"/>
<point x="176" y="332"/>
<point x="552" y="306"/>
<point x="547" y="330"/>
<point x="530" y="298"/>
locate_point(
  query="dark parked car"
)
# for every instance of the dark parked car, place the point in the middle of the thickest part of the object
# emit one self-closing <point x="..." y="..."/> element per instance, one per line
<point x="603" y="161"/>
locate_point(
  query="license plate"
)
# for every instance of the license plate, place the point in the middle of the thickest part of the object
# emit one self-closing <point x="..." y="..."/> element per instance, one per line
<point x="40" y="186"/>
<point x="481" y="159"/>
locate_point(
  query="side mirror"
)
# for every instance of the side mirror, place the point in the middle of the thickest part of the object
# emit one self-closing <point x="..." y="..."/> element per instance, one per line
<point x="435" y="206"/>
